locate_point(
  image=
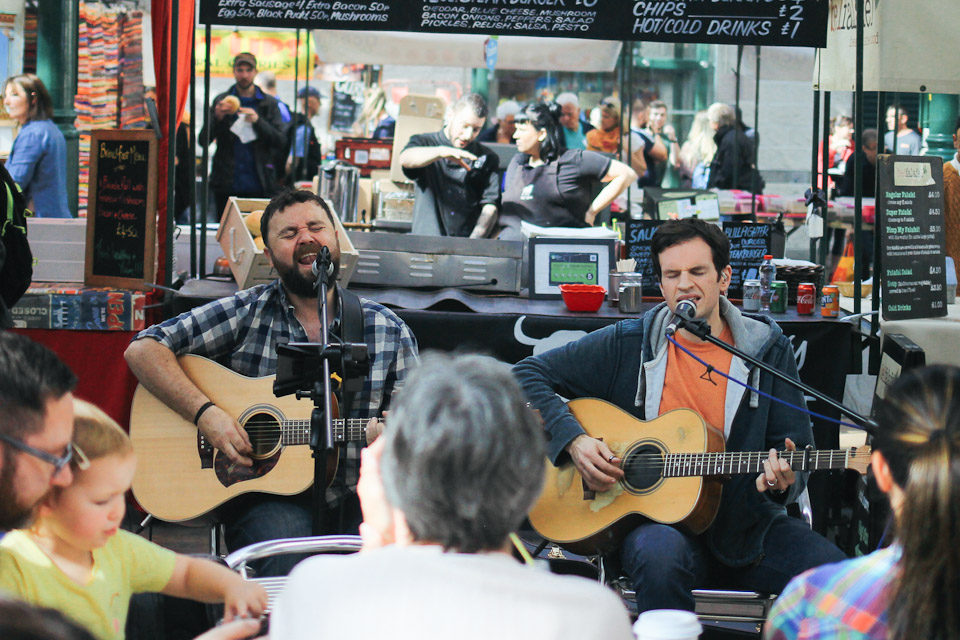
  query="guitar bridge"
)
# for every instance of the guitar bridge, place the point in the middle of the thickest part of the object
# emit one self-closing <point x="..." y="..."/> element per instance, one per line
<point x="204" y="451"/>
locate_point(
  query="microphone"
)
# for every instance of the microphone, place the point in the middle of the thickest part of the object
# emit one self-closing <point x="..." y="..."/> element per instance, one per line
<point x="686" y="310"/>
<point x="324" y="266"/>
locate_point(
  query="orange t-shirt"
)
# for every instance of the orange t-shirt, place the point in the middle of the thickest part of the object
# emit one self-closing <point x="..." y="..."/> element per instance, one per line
<point x="686" y="384"/>
<point x="605" y="141"/>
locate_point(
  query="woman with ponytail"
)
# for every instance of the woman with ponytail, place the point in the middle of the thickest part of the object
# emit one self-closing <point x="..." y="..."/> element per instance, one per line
<point x="550" y="185"/>
<point x="912" y="588"/>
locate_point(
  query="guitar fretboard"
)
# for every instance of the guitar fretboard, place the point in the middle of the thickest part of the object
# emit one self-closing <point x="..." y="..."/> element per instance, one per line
<point x="344" y="430"/>
<point x="677" y="465"/>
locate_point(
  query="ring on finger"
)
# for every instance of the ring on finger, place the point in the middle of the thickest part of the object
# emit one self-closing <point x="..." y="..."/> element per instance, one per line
<point x="771" y="483"/>
<point x="612" y="456"/>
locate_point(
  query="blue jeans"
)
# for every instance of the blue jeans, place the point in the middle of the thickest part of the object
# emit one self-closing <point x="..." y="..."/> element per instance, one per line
<point x="257" y="518"/>
<point x="665" y="564"/>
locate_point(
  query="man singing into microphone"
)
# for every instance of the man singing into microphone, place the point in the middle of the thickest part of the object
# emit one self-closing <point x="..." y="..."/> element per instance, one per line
<point x="242" y="332"/>
<point x="752" y="544"/>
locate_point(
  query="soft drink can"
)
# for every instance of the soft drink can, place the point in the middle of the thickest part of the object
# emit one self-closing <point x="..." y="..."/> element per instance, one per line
<point x="778" y="302"/>
<point x="751" y="295"/>
<point x="830" y="301"/>
<point x="805" y="295"/>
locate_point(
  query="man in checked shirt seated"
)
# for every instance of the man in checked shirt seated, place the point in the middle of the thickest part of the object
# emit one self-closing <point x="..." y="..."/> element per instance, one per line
<point x="242" y="332"/>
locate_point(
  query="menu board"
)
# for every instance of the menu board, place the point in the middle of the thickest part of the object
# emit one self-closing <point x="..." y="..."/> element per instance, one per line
<point x="638" y="235"/>
<point x="749" y="242"/>
<point x="911" y="225"/>
<point x="343" y="112"/>
<point x="122" y="208"/>
<point x="797" y="23"/>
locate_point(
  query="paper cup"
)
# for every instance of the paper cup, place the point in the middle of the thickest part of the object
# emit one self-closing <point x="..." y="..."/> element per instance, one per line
<point x="667" y="624"/>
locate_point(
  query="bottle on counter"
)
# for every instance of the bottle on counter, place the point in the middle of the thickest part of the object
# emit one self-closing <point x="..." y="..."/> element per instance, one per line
<point x="768" y="271"/>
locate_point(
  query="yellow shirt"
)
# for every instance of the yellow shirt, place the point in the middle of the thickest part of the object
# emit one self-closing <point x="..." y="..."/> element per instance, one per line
<point x="127" y="564"/>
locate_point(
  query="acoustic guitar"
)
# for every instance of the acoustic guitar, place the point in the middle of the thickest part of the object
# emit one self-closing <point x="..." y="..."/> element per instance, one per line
<point x="181" y="476"/>
<point x="673" y="467"/>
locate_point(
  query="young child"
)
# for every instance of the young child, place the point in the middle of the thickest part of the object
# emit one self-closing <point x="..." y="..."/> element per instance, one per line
<point x="75" y="558"/>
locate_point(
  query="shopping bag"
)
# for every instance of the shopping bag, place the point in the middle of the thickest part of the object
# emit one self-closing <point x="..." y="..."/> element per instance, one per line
<point x="844" y="270"/>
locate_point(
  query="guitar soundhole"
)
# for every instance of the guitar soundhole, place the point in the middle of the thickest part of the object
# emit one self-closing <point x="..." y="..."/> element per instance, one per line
<point x="642" y="468"/>
<point x="264" y="432"/>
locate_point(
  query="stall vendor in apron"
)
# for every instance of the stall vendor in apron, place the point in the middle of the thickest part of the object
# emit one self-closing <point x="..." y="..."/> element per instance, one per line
<point x="457" y="179"/>
<point x="552" y="186"/>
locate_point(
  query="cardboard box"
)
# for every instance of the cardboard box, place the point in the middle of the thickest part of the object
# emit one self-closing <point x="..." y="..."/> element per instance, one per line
<point x="248" y="264"/>
<point x="64" y="306"/>
<point x="59" y="248"/>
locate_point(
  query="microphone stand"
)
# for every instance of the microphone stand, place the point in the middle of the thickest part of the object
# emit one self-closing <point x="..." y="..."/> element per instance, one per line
<point x="321" y="418"/>
<point x="701" y="329"/>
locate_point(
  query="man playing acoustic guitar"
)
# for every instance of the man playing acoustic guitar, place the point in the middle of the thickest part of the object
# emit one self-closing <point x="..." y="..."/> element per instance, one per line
<point x="242" y="332"/>
<point x="752" y="543"/>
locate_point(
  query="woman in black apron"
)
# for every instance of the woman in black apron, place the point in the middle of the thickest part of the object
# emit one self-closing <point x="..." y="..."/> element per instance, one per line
<point x="551" y="186"/>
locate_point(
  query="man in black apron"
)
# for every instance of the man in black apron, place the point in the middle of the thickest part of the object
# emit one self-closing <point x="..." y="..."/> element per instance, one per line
<point x="457" y="182"/>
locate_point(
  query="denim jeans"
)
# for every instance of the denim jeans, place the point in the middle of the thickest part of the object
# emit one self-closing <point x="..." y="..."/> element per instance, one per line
<point x="665" y="564"/>
<point x="257" y="518"/>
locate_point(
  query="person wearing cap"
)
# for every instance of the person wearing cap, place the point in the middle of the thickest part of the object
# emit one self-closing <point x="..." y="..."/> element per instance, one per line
<point x="502" y="130"/>
<point x="305" y="155"/>
<point x="250" y="168"/>
<point x="606" y="139"/>
<point x="457" y="178"/>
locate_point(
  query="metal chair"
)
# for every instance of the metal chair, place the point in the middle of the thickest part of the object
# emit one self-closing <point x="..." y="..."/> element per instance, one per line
<point x="313" y="545"/>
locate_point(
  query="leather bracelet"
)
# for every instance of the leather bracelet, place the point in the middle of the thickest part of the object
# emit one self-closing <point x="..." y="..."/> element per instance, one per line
<point x="196" y="418"/>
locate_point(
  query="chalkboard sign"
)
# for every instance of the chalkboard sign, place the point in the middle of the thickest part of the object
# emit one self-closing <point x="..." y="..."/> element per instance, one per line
<point x="343" y="113"/>
<point x="749" y="242"/>
<point x="122" y="208"/>
<point x="911" y="225"/>
<point x="637" y="239"/>
<point x="797" y="23"/>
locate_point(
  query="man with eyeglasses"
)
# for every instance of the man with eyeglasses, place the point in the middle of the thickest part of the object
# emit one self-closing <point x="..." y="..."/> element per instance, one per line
<point x="36" y="426"/>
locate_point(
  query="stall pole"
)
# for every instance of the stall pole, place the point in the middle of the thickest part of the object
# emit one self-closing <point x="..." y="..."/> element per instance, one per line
<point x="858" y="167"/>
<point x="172" y="139"/>
<point x="825" y="179"/>
<point x="205" y="169"/>
<point x="192" y="152"/>
<point x="756" y="138"/>
<point x="629" y="109"/>
<point x="815" y="182"/>
<point x="736" y="124"/>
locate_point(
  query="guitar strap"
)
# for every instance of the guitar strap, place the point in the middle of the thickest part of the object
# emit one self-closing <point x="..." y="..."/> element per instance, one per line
<point x="351" y="328"/>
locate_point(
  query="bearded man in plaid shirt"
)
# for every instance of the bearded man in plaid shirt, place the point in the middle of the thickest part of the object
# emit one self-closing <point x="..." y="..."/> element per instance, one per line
<point x="242" y="332"/>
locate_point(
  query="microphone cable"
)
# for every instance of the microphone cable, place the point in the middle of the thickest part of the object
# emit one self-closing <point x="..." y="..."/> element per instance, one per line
<point x="746" y="386"/>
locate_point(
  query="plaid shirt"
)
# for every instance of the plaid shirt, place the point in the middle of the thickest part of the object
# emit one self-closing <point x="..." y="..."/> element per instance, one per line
<point x="843" y="601"/>
<point x="242" y="332"/>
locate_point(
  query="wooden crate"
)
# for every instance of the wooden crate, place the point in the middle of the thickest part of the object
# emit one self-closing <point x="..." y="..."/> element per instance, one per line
<point x="250" y="266"/>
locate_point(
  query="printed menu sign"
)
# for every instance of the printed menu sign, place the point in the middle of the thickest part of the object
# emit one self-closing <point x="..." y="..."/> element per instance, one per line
<point x="122" y="209"/>
<point x="637" y="240"/>
<point x="797" y="23"/>
<point x="749" y="242"/>
<point x="911" y="225"/>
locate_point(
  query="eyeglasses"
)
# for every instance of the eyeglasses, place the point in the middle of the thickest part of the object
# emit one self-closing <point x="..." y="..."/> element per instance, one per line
<point x="58" y="462"/>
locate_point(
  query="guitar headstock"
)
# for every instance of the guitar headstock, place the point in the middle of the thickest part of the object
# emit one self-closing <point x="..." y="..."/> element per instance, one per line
<point x="858" y="458"/>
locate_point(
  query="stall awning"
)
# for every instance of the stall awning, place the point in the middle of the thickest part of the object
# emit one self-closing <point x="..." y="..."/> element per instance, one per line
<point x="907" y="47"/>
<point x="444" y="50"/>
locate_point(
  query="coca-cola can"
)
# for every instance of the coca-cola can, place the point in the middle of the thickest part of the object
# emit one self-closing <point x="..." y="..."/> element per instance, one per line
<point x="805" y="298"/>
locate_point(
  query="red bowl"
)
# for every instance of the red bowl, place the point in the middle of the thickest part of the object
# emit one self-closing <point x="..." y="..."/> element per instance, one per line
<point x="583" y="297"/>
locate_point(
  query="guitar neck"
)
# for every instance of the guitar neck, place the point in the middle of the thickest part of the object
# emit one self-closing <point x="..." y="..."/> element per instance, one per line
<point x="344" y="430"/>
<point x="677" y="465"/>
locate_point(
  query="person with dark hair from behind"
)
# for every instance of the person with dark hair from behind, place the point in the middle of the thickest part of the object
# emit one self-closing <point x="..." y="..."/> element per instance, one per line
<point x="732" y="166"/>
<point x="909" y="142"/>
<point x="305" y="153"/>
<point x="751" y="543"/>
<point x="38" y="159"/>
<point x="456" y="471"/>
<point x="909" y="589"/>
<point x="242" y="332"/>
<point x="552" y="186"/>
<point x="457" y="178"/>
<point x="21" y="621"/>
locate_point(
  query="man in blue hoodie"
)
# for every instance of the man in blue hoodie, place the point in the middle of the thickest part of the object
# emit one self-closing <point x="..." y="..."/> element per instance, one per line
<point x="752" y="543"/>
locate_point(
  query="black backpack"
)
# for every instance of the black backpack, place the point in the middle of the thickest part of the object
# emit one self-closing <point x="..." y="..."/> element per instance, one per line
<point x="16" y="268"/>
